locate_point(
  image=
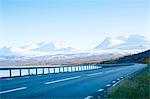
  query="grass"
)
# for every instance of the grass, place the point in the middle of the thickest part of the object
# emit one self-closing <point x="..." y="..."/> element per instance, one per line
<point x="136" y="87"/>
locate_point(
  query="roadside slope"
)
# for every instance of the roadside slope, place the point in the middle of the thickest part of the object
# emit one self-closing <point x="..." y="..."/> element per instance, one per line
<point x="136" y="87"/>
<point x="143" y="57"/>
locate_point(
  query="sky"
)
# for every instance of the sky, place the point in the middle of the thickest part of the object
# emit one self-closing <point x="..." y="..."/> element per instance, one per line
<point x="82" y="23"/>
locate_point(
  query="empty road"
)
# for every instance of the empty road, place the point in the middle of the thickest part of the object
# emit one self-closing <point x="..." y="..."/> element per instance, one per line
<point x="75" y="85"/>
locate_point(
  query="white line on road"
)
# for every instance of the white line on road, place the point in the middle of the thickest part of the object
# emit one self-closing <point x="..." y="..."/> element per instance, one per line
<point x="100" y="90"/>
<point x="109" y="71"/>
<point x="51" y="82"/>
<point x="113" y="81"/>
<point x="11" y="90"/>
<point x="88" y="97"/>
<point x="94" y="74"/>
<point x="119" y="69"/>
<point x="116" y="83"/>
<point x="108" y="85"/>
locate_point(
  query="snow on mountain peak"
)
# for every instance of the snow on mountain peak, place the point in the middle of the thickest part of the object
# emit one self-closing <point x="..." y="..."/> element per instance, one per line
<point x="123" y="38"/>
<point x="109" y="42"/>
<point x="5" y="51"/>
<point x="121" y="43"/>
<point x="52" y="46"/>
<point x="30" y="47"/>
<point x="125" y="43"/>
<point x="137" y="39"/>
<point x="61" y="45"/>
<point x="43" y="48"/>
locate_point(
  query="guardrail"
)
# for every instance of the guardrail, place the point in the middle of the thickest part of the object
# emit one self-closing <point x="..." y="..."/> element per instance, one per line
<point x="27" y="71"/>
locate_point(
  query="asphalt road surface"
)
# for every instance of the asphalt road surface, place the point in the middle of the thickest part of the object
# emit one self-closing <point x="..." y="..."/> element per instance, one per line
<point x="75" y="85"/>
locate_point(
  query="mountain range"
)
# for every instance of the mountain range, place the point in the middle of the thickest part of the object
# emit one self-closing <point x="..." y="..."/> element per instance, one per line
<point x="133" y="42"/>
<point x="62" y="53"/>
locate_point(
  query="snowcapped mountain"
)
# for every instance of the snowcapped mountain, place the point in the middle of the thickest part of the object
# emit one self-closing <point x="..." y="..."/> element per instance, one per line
<point x="62" y="53"/>
<point x="5" y="51"/>
<point x="108" y="43"/>
<point x="49" y="46"/>
<point x="35" y="50"/>
<point x="133" y="42"/>
<point x="53" y="46"/>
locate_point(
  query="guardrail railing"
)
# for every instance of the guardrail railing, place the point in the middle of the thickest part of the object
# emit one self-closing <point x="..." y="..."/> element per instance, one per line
<point x="27" y="71"/>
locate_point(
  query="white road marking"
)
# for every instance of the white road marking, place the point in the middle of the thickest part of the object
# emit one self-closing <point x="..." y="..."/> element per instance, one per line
<point x="121" y="77"/>
<point x="113" y="81"/>
<point x="118" y="79"/>
<point x="56" y="81"/>
<point x="94" y="74"/>
<point x="11" y="90"/>
<point x="108" y="85"/>
<point x="109" y="71"/>
<point x="100" y="90"/>
<point x="119" y="69"/>
<point x="88" y="97"/>
<point x="116" y="83"/>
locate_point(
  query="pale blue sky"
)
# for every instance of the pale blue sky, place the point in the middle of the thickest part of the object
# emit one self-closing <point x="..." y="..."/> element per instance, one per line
<point x="82" y="23"/>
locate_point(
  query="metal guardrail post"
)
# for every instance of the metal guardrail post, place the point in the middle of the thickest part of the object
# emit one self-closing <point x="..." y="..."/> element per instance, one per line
<point x="48" y="70"/>
<point x="43" y="71"/>
<point x="20" y="72"/>
<point x="67" y="69"/>
<point x="59" y="69"/>
<point x="36" y="71"/>
<point x="71" y="68"/>
<point x="75" y="69"/>
<point x="83" y="68"/>
<point x="63" y="70"/>
<point x="10" y="72"/>
<point x="28" y="71"/>
<point x="54" y="70"/>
